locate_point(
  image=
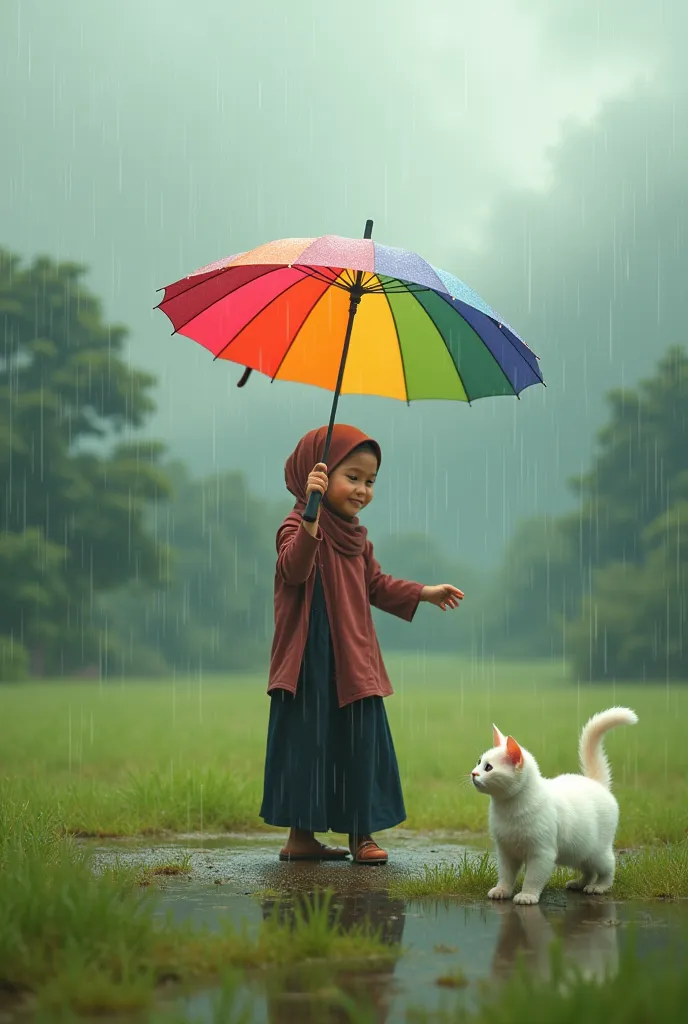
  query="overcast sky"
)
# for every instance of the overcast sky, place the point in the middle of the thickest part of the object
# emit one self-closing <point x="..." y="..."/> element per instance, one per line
<point x="535" y="148"/>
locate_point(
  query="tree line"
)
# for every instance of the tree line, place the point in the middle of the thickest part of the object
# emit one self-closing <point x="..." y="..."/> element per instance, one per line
<point x="607" y="586"/>
<point x="113" y="560"/>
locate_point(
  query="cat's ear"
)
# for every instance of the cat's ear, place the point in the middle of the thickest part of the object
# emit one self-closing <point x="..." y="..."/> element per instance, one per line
<point x="497" y="737"/>
<point x="514" y="752"/>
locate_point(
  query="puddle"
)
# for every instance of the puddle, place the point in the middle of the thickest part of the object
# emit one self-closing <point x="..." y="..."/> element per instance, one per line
<point x="481" y="940"/>
<point x="249" y="863"/>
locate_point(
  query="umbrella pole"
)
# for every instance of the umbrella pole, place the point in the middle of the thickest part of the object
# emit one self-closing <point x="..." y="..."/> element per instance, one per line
<point x="310" y="513"/>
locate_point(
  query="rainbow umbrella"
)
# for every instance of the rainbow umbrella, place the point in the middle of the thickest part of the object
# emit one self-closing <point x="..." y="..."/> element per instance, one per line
<point x="354" y="317"/>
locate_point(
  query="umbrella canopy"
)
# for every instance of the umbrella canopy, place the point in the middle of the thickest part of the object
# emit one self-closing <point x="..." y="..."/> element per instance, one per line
<point x="290" y="309"/>
<point x="419" y="332"/>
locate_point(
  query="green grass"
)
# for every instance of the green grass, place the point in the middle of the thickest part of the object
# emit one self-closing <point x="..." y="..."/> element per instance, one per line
<point x="112" y="759"/>
<point x="89" y="941"/>
<point x="657" y="873"/>
<point x="660" y="872"/>
<point x="125" y="759"/>
<point x="470" y="877"/>
<point x="150" y="873"/>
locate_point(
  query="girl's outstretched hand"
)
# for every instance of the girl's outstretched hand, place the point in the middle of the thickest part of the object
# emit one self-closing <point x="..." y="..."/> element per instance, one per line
<point x="443" y="596"/>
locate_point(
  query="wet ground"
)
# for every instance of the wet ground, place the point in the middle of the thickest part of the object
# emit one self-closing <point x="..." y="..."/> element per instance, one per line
<point x="239" y="878"/>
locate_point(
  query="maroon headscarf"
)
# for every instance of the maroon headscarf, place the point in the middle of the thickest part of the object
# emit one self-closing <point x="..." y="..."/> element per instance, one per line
<point x="346" y="536"/>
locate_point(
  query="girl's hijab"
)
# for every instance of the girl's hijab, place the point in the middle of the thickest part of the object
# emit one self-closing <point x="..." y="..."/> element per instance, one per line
<point x="348" y="537"/>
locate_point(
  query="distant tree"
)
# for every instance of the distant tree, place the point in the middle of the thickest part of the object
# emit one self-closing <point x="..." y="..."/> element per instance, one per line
<point x="215" y="613"/>
<point x="537" y="587"/>
<point x="634" y="624"/>
<point x="633" y="531"/>
<point x="32" y="588"/>
<point x="68" y="469"/>
<point x="642" y="452"/>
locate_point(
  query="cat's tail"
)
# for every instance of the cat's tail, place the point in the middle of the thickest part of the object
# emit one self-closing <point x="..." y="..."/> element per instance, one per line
<point x="593" y="760"/>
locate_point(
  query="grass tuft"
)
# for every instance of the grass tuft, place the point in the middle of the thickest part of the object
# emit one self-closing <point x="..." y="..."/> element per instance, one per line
<point x="456" y="979"/>
<point x="90" y="941"/>
<point x="471" y="877"/>
<point x="660" y="872"/>
<point x="150" y="873"/>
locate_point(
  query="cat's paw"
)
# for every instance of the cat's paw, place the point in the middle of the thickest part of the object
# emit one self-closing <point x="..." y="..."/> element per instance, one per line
<point x="577" y="884"/>
<point x="526" y="899"/>
<point x="500" y="892"/>
<point x="596" y="890"/>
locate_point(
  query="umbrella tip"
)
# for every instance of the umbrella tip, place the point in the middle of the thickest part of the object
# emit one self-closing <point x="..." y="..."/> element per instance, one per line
<point x="368" y="233"/>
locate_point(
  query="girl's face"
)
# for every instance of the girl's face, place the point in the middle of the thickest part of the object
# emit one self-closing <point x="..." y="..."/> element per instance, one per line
<point x="350" y="486"/>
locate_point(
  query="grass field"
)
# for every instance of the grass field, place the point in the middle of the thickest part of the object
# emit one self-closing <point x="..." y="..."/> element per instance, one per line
<point x="187" y="754"/>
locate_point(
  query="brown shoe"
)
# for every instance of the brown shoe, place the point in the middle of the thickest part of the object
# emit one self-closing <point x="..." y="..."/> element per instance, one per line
<point x="366" y="851"/>
<point x="319" y="852"/>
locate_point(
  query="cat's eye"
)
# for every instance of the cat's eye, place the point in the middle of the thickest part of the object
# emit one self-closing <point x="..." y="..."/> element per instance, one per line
<point x="488" y="767"/>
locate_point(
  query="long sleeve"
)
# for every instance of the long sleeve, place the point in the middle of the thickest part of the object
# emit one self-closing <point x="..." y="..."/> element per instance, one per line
<point x="398" y="597"/>
<point x="296" y="551"/>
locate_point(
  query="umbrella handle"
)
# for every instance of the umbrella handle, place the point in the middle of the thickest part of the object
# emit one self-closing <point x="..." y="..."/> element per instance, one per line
<point x="310" y="513"/>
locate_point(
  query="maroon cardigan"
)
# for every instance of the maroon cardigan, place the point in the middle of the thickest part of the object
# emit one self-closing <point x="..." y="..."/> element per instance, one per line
<point x="360" y="583"/>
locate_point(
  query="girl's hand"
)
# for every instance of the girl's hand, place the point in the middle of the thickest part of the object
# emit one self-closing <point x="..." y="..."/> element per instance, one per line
<point x="443" y="596"/>
<point x="317" y="480"/>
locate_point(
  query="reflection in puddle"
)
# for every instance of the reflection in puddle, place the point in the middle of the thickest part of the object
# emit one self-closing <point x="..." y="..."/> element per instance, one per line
<point x="587" y="931"/>
<point x="374" y="989"/>
<point x="480" y="940"/>
<point x="376" y="909"/>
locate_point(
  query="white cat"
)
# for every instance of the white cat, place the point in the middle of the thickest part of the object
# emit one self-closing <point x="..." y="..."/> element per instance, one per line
<point x="570" y="820"/>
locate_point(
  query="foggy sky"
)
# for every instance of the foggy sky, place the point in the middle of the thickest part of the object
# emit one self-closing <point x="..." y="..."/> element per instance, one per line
<point x="536" y="148"/>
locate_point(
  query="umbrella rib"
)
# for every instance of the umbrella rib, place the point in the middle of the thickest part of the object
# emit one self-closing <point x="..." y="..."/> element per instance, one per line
<point x="448" y="300"/>
<point x="318" y="276"/>
<point x="444" y="342"/>
<point x="401" y="353"/>
<point x="198" y="313"/>
<point x="209" y="276"/>
<point x="319" y="272"/>
<point x="296" y="334"/>
<point x="399" y="287"/>
<point x="536" y="372"/>
<point x="520" y="354"/>
<point x="259" y="313"/>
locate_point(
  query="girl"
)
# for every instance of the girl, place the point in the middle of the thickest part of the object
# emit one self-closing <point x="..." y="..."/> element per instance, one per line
<point x="330" y="761"/>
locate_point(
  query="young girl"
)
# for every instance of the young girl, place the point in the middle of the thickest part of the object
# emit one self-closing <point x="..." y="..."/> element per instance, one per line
<point x="330" y="763"/>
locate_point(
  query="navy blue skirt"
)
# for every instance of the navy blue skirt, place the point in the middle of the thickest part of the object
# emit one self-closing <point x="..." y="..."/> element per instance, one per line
<point x="329" y="768"/>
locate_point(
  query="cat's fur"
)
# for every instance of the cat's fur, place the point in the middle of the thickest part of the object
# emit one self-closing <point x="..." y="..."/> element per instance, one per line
<point x="570" y="820"/>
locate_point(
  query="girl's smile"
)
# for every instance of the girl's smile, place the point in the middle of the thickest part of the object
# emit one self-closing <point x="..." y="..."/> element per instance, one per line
<point x="351" y="484"/>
